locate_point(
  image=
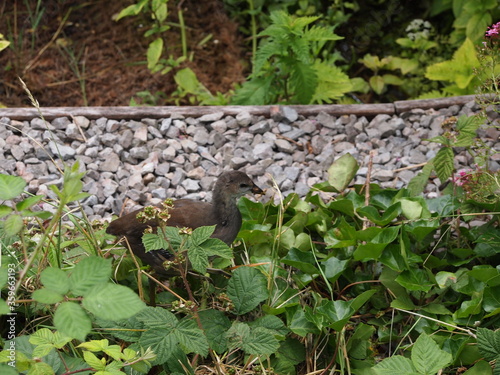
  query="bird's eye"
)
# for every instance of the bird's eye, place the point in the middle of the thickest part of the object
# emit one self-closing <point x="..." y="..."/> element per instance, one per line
<point x="244" y="186"/>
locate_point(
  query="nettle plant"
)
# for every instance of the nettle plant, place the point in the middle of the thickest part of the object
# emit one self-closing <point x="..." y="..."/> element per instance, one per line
<point x="286" y="66"/>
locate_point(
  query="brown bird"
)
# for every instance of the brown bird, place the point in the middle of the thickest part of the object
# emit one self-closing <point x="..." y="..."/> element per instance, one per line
<point x="221" y="212"/>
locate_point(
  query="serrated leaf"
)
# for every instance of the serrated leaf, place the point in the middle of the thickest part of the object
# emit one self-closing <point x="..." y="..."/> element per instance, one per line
<point x="13" y="225"/>
<point x="107" y="302"/>
<point x="47" y="296"/>
<point x="427" y="357"/>
<point x="418" y="183"/>
<point x="254" y="92"/>
<point x="488" y="343"/>
<point x="342" y="171"/>
<point x="152" y="241"/>
<point x="261" y="341"/>
<point x="88" y="273"/>
<point x="192" y="339"/>
<point x="71" y="320"/>
<point x="11" y="186"/>
<point x="303" y="81"/>
<point x="214" y="246"/>
<point x="395" y="365"/>
<point x="153" y="317"/>
<point x="162" y="341"/>
<point x="247" y="288"/>
<point x="55" y="279"/>
<point x="198" y="258"/>
<point x="443" y="163"/>
<point x="215" y="323"/>
<point x="202" y="234"/>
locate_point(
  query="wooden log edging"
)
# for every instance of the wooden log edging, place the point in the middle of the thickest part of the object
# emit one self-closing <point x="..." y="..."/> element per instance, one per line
<point x="155" y="112"/>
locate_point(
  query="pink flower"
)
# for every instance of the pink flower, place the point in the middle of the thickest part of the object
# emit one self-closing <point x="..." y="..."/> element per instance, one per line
<point x="493" y="31"/>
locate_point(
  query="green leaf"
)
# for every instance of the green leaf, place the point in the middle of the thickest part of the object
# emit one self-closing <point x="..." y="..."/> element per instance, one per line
<point x="337" y="313"/>
<point x="332" y="84"/>
<point x="155" y="50"/>
<point x="192" y="339"/>
<point x="198" y="258"/>
<point x="480" y="368"/>
<point x="396" y="365"/>
<point x="132" y="10"/>
<point x="5" y="210"/>
<point x="202" y="234"/>
<point x="156" y="317"/>
<point x="261" y="341"/>
<point x="94" y="362"/>
<point x="215" y="323"/>
<point x="301" y="260"/>
<point x="459" y="70"/>
<point x="377" y="83"/>
<point x="11" y="186"/>
<point x="477" y="25"/>
<point x="254" y="92"/>
<point x="372" y="214"/>
<point x="427" y="357"/>
<point x="342" y="171"/>
<point x="488" y="342"/>
<point x="107" y="302"/>
<point x="48" y="296"/>
<point x="89" y="272"/>
<point x="443" y="163"/>
<point x="162" y="341"/>
<point x="247" y="288"/>
<point x="216" y="247"/>
<point x="71" y="320"/>
<point x="415" y="279"/>
<point x="55" y="279"/>
<point x="304" y="81"/>
<point x="13" y="225"/>
<point x="28" y="202"/>
<point x="418" y="183"/>
<point x="152" y="241"/>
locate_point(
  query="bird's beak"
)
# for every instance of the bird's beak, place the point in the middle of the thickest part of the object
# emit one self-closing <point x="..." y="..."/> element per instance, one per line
<point x="257" y="190"/>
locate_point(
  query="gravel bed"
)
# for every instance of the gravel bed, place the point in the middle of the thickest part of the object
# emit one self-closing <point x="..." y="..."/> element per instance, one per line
<point x="131" y="163"/>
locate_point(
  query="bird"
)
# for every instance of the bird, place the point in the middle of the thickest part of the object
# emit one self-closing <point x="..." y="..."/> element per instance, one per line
<point x="222" y="212"/>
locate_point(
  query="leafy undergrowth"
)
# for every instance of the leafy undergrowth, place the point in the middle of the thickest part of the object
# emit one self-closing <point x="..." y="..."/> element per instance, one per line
<point x="368" y="281"/>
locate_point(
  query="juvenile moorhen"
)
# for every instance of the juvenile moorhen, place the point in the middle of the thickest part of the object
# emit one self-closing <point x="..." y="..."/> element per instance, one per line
<point x="222" y="212"/>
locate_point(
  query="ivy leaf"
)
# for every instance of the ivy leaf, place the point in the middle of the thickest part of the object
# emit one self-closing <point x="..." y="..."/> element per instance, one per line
<point x="342" y="171"/>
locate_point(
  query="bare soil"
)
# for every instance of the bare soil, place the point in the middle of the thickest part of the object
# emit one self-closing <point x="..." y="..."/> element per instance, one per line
<point x="78" y="55"/>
